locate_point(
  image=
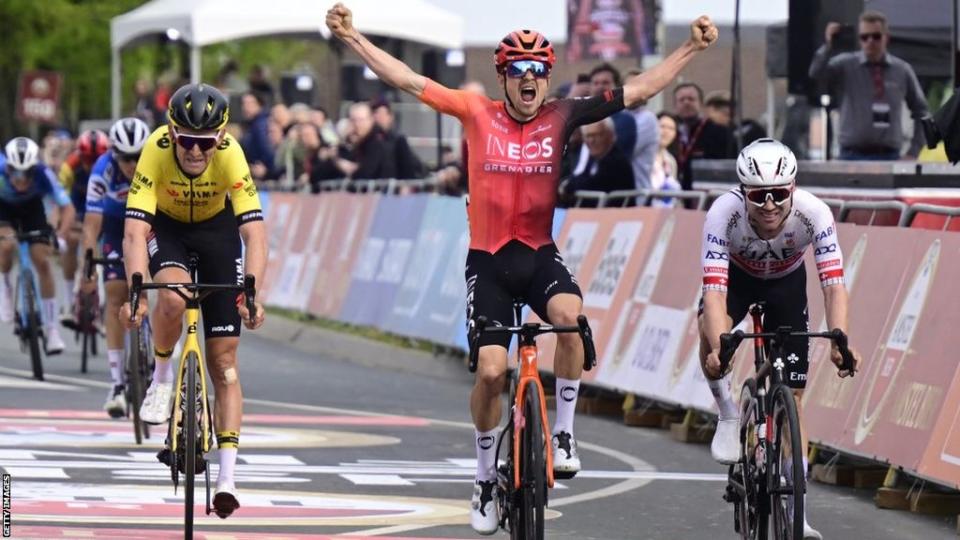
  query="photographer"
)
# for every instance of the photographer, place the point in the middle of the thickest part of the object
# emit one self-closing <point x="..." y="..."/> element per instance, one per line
<point x="873" y="86"/>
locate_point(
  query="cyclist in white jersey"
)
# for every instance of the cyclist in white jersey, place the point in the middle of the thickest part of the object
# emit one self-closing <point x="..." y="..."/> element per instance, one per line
<point x="764" y="227"/>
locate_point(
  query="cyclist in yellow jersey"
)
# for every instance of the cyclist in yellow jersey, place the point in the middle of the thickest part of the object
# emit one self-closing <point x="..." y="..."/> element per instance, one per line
<point x="192" y="193"/>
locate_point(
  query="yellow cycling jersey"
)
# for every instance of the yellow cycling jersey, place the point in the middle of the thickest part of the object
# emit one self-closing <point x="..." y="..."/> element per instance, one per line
<point x="160" y="185"/>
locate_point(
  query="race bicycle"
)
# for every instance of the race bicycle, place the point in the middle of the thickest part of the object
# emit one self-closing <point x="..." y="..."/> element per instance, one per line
<point x="527" y="471"/>
<point x="138" y="360"/>
<point x="190" y="429"/>
<point x="27" y="320"/>
<point x="769" y="479"/>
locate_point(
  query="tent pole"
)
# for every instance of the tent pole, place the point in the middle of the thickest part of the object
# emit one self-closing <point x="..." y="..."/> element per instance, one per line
<point x="115" y="83"/>
<point x="194" y="64"/>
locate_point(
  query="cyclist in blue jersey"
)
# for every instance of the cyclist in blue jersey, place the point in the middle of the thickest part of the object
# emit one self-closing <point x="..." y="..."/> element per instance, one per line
<point x="24" y="181"/>
<point x="103" y="223"/>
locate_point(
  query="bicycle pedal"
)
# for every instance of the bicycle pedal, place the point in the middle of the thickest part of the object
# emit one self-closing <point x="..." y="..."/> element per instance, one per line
<point x="564" y="475"/>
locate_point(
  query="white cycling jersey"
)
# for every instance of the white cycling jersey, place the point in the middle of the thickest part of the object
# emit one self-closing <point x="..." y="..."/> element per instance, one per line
<point x="728" y="236"/>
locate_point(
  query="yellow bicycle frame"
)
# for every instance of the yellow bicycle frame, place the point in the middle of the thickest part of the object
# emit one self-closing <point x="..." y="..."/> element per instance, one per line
<point x="191" y="344"/>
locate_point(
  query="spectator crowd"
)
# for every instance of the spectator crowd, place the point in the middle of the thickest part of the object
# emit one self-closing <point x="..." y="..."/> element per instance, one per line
<point x="300" y="146"/>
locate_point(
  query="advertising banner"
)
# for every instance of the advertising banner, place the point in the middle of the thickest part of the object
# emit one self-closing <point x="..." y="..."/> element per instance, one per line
<point x="383" y="259"/>
<point x="437" y="254"/>
<point x="610" y="29"/>
<point x="331" y="264"/>
<point x="283" y="213"/>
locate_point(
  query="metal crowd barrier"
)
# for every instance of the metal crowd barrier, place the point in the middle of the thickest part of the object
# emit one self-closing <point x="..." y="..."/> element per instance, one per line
<point x="642" y="197"/>
<point x="874" y="207"/>
<point x="923" y="208"/>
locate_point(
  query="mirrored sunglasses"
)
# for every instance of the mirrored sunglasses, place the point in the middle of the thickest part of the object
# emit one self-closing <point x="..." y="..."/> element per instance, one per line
<point x="516" y="70"/>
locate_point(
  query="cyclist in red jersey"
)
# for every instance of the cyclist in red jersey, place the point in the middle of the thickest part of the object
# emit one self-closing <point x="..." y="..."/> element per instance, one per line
<point x="515" y="148"/>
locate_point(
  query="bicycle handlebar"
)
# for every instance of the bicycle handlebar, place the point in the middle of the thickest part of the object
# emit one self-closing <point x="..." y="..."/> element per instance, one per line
<point x="731" y="340"/>
<point x="532" y="330"/>
<point x="137" y="286"/>
<point x="89" y="261"/>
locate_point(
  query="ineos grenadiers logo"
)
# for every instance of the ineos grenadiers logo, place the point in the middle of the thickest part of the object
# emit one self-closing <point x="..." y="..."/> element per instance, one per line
<point x="568" y="393"/>
<point x="485" y="442"/>
<point x="531" y="150"/>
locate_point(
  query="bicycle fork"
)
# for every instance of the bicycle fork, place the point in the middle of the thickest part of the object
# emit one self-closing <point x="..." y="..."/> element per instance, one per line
<point x="528" y="376"/>
<point x="175" y="433"/>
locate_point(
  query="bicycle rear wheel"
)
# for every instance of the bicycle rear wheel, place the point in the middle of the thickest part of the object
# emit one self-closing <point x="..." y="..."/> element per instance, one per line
<point x="135" y="382"/>
<point x="786" y="467"/>
<point x="752" y="512"/>
<point x="190" y="442"/>
<point x="533" y="482"/>
<point x="32" y="328"/>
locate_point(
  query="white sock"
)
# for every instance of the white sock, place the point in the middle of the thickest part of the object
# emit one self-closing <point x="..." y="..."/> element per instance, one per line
<point x="5" y="282"/>
<point x="227" y="460"/>
<point x="721" y="394"/>
<point x="49" y="306"/>
<point x="163" y="371"/>
<point x="567" y="392"/>
<point x="68" y="294"/>
<point x="115" y="359"/>
<point x="486" y="442"/>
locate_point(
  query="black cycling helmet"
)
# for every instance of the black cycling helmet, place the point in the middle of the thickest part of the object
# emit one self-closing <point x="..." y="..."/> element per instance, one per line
<point x="199" y="106"/>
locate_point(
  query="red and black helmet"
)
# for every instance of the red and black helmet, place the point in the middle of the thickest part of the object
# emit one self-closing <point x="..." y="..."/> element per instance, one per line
<point x="524" y="45"/>
<point x="91" y="144"/>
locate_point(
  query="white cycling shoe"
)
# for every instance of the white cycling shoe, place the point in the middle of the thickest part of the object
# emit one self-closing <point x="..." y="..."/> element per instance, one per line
<point x="156" y="404"/>
<point x="566" y="460"/>
<point x="225" y="500"/>
<point x="484" y="508"/>
<point x="6" y="306"/>
<point x="55" y="344"/>
<point x="725" y="447"/>
<point x="809" y="533"/>
<point x="116" y="404"/>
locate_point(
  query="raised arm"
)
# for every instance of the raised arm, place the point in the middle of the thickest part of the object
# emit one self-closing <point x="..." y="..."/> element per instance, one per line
<point x="389" y="69"/>
<point x="703" y="33"/>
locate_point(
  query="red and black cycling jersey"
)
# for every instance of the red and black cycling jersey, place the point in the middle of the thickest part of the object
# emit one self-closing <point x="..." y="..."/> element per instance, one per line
<point x="514" y="167"/>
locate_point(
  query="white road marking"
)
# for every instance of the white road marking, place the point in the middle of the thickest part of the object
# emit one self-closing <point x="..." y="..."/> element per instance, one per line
<point x="376" y="480"/>
<point x="33" y="384"/>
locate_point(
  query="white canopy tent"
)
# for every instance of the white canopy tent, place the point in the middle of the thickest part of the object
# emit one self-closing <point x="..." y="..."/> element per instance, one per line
<point x="203" y="22"/>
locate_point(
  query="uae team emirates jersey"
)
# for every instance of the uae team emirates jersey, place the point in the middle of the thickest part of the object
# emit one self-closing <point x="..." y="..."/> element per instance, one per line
<point x="729" y="237"/>
<point x="514" y="167"/>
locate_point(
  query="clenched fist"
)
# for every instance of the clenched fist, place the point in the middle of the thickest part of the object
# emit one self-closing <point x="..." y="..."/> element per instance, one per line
<point x="703" y="32"/>
<point x="340" y="21"/>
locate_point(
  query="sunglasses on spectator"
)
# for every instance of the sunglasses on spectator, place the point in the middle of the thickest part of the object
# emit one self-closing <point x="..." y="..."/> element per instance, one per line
<point x="759" y="197"/>
<point x="187" y="142"/>
<point x="128" y="158"/>
<point x="516" y="70"/>
<point x="876" y="36"/>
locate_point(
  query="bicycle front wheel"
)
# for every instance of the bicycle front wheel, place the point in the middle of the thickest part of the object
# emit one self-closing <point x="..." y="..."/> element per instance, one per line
<point x="533" y="482"/>
<point x="788" y="483"/>
<point x="135" y="381"/>
<point x="190" y="441"/>
<point x="33" y="324"/>
<point x="747" y="479"/>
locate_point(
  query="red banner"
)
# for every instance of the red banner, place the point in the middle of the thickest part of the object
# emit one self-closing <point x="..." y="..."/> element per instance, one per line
<point x="38" y="97"/>
<point x="604" y="30"/>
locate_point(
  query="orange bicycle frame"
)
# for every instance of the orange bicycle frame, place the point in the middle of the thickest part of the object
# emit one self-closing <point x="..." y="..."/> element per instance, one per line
<point x="529" y="374"/>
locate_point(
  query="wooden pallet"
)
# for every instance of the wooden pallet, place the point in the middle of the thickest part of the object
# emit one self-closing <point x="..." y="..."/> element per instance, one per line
<point x="892" y="498"/>
<point x="849" y="475"/>
<point x="600" y="406"/>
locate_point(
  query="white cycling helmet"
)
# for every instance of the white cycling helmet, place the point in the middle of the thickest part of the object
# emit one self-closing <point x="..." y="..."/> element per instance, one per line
<point x="128" y="135"/>
<point x="766" y="163"/>
<point x="22" y="153"/>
